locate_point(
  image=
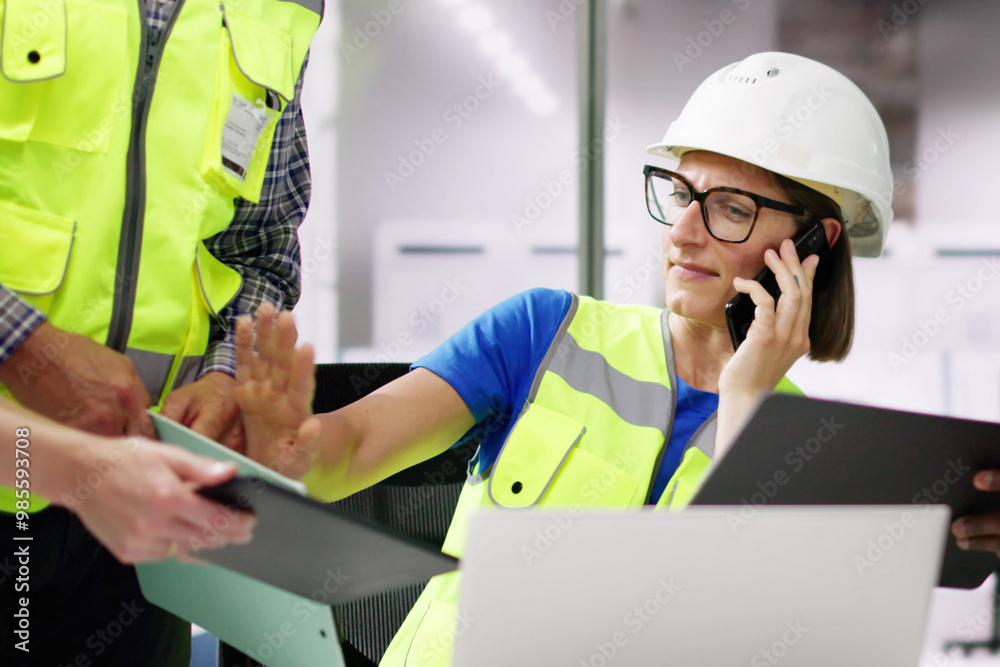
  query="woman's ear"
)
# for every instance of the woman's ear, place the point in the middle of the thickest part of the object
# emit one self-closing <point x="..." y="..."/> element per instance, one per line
<point x="833" y="228"/>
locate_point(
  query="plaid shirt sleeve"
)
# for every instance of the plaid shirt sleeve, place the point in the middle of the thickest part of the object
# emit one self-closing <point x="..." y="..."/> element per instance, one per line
<point x="262" y="241"/>
<point x="17" y="320"/>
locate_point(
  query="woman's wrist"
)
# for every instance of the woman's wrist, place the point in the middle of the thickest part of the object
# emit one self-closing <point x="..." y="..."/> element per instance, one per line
<point x="735" y="408"/>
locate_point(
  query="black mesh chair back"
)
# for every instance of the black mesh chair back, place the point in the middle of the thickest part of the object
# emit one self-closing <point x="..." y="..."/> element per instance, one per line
<point x="419" y="502"/>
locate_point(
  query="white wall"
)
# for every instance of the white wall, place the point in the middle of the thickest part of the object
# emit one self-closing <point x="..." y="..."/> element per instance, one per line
<point x="316" y="312"/>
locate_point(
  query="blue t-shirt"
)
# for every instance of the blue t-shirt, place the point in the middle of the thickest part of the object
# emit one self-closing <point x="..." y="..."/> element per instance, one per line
<point x="492" y="361"/>
<point x="694" y="406"/>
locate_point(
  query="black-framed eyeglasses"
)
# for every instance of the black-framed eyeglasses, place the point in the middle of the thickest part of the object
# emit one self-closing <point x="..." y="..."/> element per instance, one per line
<point x="729" y="213"/>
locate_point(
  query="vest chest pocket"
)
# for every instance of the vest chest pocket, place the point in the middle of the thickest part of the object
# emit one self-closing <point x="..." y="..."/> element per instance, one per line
<point x="63" y="69"/>
<point x="34" y="251"/>
<point x="541" y="463"/>
<point x="256" y="80"/>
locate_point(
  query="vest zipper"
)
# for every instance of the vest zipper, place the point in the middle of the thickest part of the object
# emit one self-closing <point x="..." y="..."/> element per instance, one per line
<point x="133" y="218"/>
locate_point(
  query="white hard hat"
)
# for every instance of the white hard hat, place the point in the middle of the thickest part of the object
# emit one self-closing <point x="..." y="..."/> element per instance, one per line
<point x="801" y="119"/>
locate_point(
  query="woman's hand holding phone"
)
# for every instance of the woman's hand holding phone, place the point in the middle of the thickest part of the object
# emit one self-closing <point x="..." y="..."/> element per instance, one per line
<point x="779" y="334"/>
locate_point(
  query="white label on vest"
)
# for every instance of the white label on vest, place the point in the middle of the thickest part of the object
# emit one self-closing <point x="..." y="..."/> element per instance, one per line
<point x="243" y="126"/>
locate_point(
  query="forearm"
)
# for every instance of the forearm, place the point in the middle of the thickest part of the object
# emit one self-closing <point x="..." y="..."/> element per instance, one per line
<point x="408" y="421"/>
<point x="347" y="461"/>
<point x="734" y="410"/>
<point x="334" y="473"/>
<point x="55" y="453"/>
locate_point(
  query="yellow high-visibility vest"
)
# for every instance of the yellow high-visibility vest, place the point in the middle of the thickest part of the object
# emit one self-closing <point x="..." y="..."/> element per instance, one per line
<point x="592" y="434"/>
<point x="121" y="153"/>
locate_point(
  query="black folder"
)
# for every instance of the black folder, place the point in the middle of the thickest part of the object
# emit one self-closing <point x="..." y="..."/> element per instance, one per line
<point x="317" y="551"/>
<point x="802" y="451"/>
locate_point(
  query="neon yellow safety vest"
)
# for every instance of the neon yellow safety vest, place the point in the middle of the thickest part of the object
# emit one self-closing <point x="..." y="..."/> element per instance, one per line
<point x="121" y="152"/>
<point x="592" y="433"/>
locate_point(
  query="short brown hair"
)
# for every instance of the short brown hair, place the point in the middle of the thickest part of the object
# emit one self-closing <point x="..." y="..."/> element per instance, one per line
<point x="831" y="328"/>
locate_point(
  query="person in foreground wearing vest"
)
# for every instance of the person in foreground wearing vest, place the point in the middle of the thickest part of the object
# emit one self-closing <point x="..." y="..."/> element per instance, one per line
<point x="153" y="173"/>
<point x="575" y="401"/>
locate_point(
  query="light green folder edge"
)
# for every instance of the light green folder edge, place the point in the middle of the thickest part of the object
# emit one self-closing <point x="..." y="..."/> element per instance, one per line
<point x="273" y="626"/>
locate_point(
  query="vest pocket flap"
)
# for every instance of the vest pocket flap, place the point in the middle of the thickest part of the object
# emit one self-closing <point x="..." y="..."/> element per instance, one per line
<point x="219" y="283"/>
<point x="535" y="449"/>
<point x="263" y="54"/>
<point x="34" y="249"/>
<point x="33" y="45"/>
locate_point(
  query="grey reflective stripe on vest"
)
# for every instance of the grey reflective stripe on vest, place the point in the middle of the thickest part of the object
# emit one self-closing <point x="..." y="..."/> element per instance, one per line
<point x="704" y="437"/>
<point x="315" y="6"/>
<point x="188" y="371"/>
<point x="574" y="304"/>
<point x="637" y="402"/>
<point x="154" y="368"/>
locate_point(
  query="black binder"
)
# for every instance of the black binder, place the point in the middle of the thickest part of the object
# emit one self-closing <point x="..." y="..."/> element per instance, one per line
<point x="802" y="451"/>
<point x="303" y="546"/>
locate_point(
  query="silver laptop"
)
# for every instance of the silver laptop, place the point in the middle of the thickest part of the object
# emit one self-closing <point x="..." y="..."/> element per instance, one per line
<point x="792" y="586"/>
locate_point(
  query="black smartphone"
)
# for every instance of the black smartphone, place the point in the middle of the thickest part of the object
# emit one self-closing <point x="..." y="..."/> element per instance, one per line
<point x="740" y="309"/>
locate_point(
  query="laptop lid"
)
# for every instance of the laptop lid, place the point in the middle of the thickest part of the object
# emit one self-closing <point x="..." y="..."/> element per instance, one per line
<point x="803" y="586"/>
<point x="803" y="451"/>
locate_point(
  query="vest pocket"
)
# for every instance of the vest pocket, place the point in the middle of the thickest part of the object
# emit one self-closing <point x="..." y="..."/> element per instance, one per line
<point x="541" y="463"/>
<point x="63" y="73"/>
<point x="255" y="82"/>
<point x="219" y="284"/>
<point x="34" y="250"/>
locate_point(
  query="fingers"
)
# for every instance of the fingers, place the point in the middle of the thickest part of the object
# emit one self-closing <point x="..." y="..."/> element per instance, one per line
<point x="140" y="423"/>
<point x="265" y="341"/>
<point x="978" y="533"/>
<point x="198" y="470"/>
<point x="788" y="320"/>
<point x="282" y="351"/>
<point x="302" y="380"/>
<point x="795" y="281"/>
<point x="308" y="433"/>
<point x="134" y="399"/>
<point x="235" y="437"/>
<point x="198" y="523"/>
<point x="276" y="337"/>
<point x="179" y="536"/>
<point x="158" y="532"/>
<point x="763" y="320"/>
<point x="225" y="524"/>
<point x="805" y="272"/>
<point x="981" y="544"/>
<point x="244" y="348"/>
<point x="176" y="406"/>
<point x="987" y="480"/>
<point x="188" y="559"/>
<point x="211" y="422"/>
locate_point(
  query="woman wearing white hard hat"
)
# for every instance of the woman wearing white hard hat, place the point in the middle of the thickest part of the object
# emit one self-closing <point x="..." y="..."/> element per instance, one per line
<point x="575" y="401"/>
